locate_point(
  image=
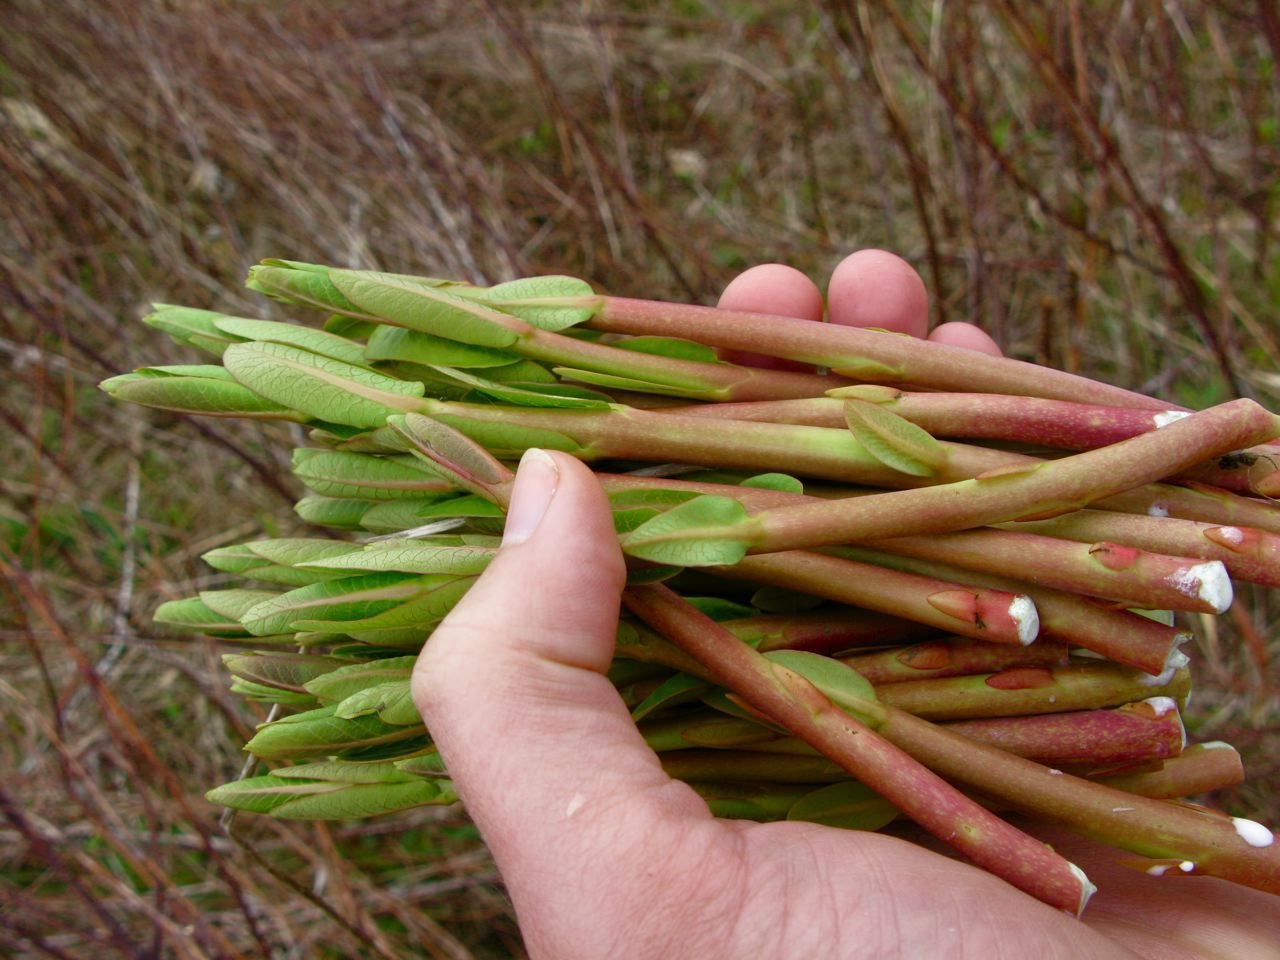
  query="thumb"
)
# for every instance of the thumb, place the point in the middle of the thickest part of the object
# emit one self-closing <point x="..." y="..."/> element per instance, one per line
<point x="536" y="739"/>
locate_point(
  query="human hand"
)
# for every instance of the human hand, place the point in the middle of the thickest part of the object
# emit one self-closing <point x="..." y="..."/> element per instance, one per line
<point x="604" y="855"/>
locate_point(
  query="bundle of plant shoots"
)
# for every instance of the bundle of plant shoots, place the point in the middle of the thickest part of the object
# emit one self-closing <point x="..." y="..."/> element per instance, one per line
<point x="917" y="582"/>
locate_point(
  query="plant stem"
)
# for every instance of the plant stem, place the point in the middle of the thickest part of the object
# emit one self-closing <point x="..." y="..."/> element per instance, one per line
<point x="951" y="657"/>
<point x="1045" y="489"/>
<point x="993" y="616"/>
<point x="1022" y="691"/>
<point x="930" y="801"/>
<point x="865" y="355"/>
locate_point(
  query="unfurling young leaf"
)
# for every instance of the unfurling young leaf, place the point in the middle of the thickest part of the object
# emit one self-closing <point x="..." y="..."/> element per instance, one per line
<point x="549" y="302"/>
<point x="428" y="309"/>
<point x="841" y="684"/>
<point x="894" y="441"/>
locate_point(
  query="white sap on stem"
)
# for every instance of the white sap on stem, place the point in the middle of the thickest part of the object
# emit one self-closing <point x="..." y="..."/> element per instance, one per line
<point x="1253" y="833"/>
<point x="1208" y="582"/>
<point x="1166" y="417"/>
<point x="1023" y="612"/>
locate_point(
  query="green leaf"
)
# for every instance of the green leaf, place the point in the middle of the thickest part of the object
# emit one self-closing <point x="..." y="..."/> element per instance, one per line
<point x="613" y="382"/>
<point x="847" y="804"/>
<point x="254" y="794"/>
<point x="320" y="732"/>
<point x="192" y="614"/>
<point x="509" y="440"/>
<point x="306" y="284"/>
<point x="660" y="498"/>
<point x="284" y="671"/>
<point x="705" y="531"/>
<point x="344" y="682"/>
<point x="349" y="598"/>
<point x="524" y="371"/>
<point x="361" y="800"/>
<point x="338" y="473"/>
<point x="346" y="771"/>
<point x="518" y="396"/>
<point x="333" y="512"/>
<point x="894" y="441"/>
<point x="207" y="393"/>
<point x="398" y="516"/>
<point x="841" y="684"/>
<point x="233" y="603"/>
<point x="237" y="558"/>
<point x="413" y="556"/>
<point x="392" y="702"/>
<point x="291" y="551"/>
<point x="427" y="309"/>
<point x="426" y="764"/>
<point x="262" y="693"/>
<point x="781" y="600"/>
<point x="549" y="302"/>
<point x="718" y="608"/>
<point x="674" y="347"/>
<point x="290" y="797"/>
<point x="319" y="386"/>
<point x="774" y="481"/>
<point x="451" y="451"/>
<point x="413" y="346"/>
<point x="681" y="688"/>
<point x="308" y="338"/>
<point x="189" y="325"/>
<point x="404" y="623"/>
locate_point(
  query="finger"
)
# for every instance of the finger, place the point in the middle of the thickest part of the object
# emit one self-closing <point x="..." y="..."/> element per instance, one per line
<point x="777" y="289"/>
<point x="874" y="288"/>
<point x="538" y="742"/>
<point x="965" y="335"/>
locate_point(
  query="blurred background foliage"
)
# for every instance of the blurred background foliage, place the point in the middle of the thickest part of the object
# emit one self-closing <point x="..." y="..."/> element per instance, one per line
<point x="1095" y="183"/>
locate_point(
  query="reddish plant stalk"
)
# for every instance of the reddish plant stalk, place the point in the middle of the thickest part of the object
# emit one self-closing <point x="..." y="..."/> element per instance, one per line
<point x="995" y="616"/>
<point x="1117" y="634"/>
<point x="1150" y="729"/>
<point x="927" y="799"/>
<point x="1043" y="489"/>
<point x="1127" y="575"/>
<point x="1108" y="631"/>
<point x="1192" y="840"/>
<point x="865" y="355"/>
<point x="1061" y="424"/>
<point x="1249" y="554"/>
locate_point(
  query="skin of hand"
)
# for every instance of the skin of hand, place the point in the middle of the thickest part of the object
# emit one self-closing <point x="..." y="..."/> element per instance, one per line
<point x="604" y="855"/>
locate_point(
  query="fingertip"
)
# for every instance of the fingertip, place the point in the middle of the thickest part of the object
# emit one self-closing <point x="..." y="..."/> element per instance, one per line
<point x="777" y="289"/>
<point x="875" y="288"/>
<point x="774" y="288"/>
<point x="966" y="336"/>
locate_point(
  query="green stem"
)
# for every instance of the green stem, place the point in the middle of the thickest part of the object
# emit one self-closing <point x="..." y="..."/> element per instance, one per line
<point x="1022" y="691"/>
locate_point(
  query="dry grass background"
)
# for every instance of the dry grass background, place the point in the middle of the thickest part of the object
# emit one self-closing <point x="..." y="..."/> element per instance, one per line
<point x="1097" y="184"/>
